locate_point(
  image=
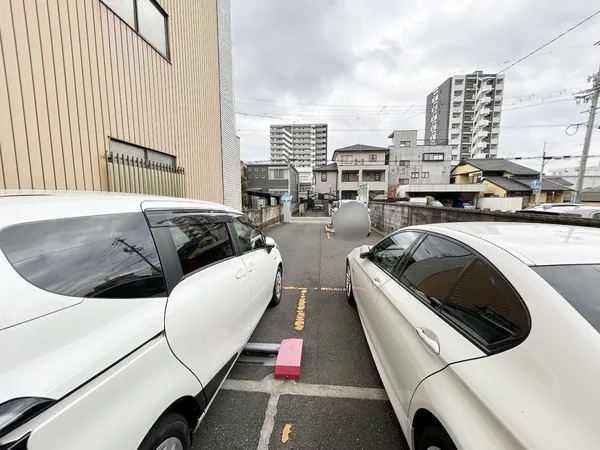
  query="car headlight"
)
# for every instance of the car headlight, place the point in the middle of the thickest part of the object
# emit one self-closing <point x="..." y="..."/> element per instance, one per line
<point x="17" y="411"/>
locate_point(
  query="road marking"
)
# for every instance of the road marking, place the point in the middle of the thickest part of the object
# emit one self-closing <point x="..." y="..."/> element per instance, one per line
<point x="285" y="433"/>
<point x="299" y="323"/>
<point x="296" y="288"/>
<point x="268" y="423"/>
<point x="269" y="385"/>
<point x="328" y="235"/>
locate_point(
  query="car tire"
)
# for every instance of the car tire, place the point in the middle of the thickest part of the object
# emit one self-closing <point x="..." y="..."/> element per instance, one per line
<point x="435" y="437"/>
<point x="170" y="431"/>
<point x="348" y="285"/>
<point x="277" y="288"/>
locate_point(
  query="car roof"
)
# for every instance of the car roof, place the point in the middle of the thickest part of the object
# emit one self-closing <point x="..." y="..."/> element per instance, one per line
<point x="26" y="206"/>
<point x="541" y="244"/>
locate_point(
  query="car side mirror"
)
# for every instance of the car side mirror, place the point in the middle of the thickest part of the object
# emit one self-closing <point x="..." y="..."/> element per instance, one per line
<point x="270" y="244"/>
<point x="365" y="251"/>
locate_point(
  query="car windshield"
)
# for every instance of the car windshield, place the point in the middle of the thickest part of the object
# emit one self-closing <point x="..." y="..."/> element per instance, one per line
<point x="578" y="284"/>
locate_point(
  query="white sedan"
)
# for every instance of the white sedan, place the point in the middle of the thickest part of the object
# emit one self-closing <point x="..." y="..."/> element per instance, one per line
<point x="485" y="335"/>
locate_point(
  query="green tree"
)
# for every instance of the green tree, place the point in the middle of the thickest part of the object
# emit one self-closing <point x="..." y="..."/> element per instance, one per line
<point x="244" y="190"/>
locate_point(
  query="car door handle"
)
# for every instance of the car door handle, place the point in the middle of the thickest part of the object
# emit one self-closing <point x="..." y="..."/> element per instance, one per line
<point x="376" y="281"/>
<point x="430" y="342"/>
<point x="240" y="274"/>
<point x="251" y="268"/>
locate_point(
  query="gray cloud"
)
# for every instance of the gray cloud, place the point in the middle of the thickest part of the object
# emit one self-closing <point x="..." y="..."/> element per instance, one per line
<point x="366" y="70"/>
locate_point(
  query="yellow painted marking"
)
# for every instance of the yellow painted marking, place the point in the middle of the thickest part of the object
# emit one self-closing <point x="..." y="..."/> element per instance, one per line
<point x="299" y="322"/>
<point x="285" y="433"/>
<point x="296" y="288"/>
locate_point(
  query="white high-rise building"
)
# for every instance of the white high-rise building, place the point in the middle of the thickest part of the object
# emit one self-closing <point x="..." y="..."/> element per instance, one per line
<point x="464" y="112"/>
<point x="305" y="145"/>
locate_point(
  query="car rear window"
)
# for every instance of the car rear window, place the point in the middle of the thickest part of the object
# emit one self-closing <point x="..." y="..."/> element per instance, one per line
<point x="107" y="256"/>
<point x="579" y="285"/>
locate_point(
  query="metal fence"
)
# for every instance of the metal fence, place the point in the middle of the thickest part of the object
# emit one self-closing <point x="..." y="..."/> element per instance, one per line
<point x="139" y="176"/>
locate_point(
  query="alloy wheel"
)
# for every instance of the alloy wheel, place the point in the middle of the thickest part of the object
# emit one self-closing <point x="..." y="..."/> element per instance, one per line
<point x="171" y="443"/>
<point x="278" y="284"/>
<point x="348" y="282"/>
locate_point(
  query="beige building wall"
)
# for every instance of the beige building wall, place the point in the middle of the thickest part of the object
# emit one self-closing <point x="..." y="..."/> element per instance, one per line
<point x="73" y="75"/>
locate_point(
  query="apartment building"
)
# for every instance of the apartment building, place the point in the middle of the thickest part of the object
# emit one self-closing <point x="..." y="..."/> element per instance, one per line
<point x="412" y="164"/>
<point x="273" y="178"/>
<point x="304" y="145"/>
<point x="464" y="112"/>
<point x="361" y="164"/>
<point x="109" y="95"/>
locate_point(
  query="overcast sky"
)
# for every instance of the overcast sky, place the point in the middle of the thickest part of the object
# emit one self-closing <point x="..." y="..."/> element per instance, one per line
<point x="366" y="67"/>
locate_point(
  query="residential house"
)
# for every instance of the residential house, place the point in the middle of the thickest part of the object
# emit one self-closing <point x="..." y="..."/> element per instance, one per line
<point x="305" y="182"/>
<point x="326" y="180"/>
<point x="504" y="178"/>
<point x="98" y="89"/>
<point x="272" y="178"/>
<point x="359" y="164"/>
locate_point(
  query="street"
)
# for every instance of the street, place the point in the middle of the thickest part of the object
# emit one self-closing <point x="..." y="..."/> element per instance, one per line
<point x="339" y="401"/>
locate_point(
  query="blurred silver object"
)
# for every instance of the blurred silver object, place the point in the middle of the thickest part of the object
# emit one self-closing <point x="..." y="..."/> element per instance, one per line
<point x="351" y="221"/>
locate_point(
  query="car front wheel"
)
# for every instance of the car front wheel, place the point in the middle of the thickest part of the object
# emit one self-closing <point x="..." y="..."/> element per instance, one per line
<point x="434" y="437"/>
<point x="348" y="285"/>
<point x="170" y="432"/>
<point x="277" y="288"/>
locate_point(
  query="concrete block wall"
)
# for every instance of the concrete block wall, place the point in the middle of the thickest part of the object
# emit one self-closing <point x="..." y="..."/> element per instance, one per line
<point x="388" y="217"/>
<point x="266" y="216"/>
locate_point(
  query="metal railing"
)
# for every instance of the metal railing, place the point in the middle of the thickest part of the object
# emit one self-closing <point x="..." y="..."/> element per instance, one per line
<point x="139" y="176"/>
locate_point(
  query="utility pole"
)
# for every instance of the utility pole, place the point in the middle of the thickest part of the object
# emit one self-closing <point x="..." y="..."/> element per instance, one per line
<point x="538" y="195"/>
<point x="592" y="93"/>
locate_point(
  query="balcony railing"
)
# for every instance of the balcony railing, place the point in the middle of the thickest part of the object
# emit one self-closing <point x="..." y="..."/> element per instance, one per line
<point x="139" y="176"/>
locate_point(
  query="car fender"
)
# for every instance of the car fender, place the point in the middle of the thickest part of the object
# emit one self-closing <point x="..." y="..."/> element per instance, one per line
<point x="470" y="424"/>
<point x="117" y="408"/>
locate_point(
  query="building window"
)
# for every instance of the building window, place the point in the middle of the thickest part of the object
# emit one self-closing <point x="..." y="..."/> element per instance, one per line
<point x="372" y="158"/>
<point x="404" y="143"/>
<point x="346" y="159"/>
<point x="147" y="18"/>
<point x="345" y="176"/>
<point x="278" y="174"/>
<point x="323" y="176"/>
<point x="403" y="180"/>
<point x="256" y="169"/>
<point x="414" y="174"/>
<point x="377" y="176"/>
<point x="433" y="156"/>
<point x="404" y="162"/>
<point x="146" y="154"/>
<point x="424" y="174"/>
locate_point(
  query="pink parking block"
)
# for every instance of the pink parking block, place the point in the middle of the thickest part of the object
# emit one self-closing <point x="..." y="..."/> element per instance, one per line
<point x="288" y="360"/>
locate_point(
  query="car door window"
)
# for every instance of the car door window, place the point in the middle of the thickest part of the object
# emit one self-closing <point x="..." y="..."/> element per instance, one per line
<point x="389" y="252"/>
<point x="486" y="307"/>
<point x="433" y="268"/>
<point x="200" y="241"/>
<point x="250" y="237"/>
<point x="107" y="256"/>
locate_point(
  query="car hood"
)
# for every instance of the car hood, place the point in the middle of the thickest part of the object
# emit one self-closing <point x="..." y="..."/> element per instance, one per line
<point x="52" y="355"/>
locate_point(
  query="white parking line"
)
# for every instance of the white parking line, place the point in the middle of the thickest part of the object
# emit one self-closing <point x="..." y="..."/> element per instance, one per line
<point x="269" y="423"/>
<point x="276" y="388"/>
<point x="270" y="385"/>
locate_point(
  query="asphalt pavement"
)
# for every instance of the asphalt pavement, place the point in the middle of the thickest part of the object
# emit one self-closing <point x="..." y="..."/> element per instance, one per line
<point x="339" y="401"/>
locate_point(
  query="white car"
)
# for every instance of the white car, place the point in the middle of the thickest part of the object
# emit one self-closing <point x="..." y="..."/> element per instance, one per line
<point x="485" y="335"/>
<point x="122" y="315"/>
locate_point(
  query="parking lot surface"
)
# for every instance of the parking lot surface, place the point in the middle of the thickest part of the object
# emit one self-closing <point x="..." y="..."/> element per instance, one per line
<point x="339" y="401"/>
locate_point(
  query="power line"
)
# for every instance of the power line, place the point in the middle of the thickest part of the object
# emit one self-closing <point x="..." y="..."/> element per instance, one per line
<point x="550" y="42"/>
<point x="421" y="129"/>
